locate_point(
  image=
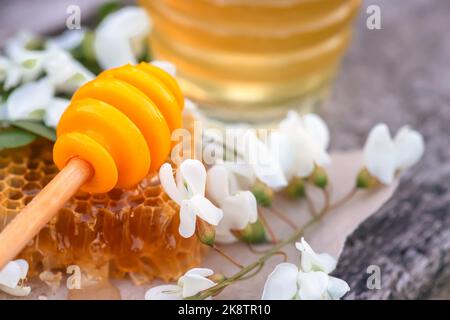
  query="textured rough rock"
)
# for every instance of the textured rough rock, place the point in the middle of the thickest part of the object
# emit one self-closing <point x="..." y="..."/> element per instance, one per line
<point x="401" y="75"/>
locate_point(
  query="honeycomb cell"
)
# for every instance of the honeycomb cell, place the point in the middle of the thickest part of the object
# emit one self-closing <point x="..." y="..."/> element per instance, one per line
<point x="14" y="182"/>
<point x="131" y="232"/>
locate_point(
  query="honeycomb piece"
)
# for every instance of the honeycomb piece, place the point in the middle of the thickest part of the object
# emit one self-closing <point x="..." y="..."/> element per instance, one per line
<point x="132" y="232"/>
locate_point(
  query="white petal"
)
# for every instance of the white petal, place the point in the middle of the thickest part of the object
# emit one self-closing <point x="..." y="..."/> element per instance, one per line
<point x="205" y="210"/>
<point x="204" y="272"/>
<point x="187" y="219"/>
<point x="4" y="66"/>
<point x="3" y="112"/>
<point x="337" y="288"/>
<point x="251" y="206"/>
<point x="166" y="66"/>
<point x="313" y="285"/>
<point x="305" y="161"/>
<point x="379" y="154"/>
<point x="69" y="39"/>
<point x="409" y="147"/>
<point x="291" y="122"/>
<point x="64" y="72"/>
<point x="193" y="174"/>
<point x="116" y="34"/>
<point x="217" y="184"/>
<point x="238" y="211"/>
<point x="23" y="265"/>
<point x="16" y="50"/>
<point x="264" y="163"/>
<point x="244" y="173"/>
<point x="281" y="143"/>
<point x="164" y="292"/>
<point x="194" y="283"/>
<point x="168" y="183"/>
<point x="13" y="77"/>
<point x="11" y="274"/>
<point x="317" y="129"/>
<point x="16" y="291"/>
<point x="26" y="100"/>
<point x="311" y="261"/>
<point x="54" y="111"/>
<point x="10" y="73"/>
<point x="281" y="284"/>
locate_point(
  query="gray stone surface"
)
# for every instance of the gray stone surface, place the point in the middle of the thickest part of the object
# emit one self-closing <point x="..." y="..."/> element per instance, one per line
<point x="400" y="75"/>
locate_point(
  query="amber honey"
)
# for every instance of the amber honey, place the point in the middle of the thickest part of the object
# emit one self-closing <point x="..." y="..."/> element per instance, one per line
<point x="132" y="232"/>
<point x="252" y="59"/>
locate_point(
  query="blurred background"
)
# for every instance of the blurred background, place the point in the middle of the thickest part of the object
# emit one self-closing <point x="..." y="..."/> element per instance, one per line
<point x="399" y="74"/>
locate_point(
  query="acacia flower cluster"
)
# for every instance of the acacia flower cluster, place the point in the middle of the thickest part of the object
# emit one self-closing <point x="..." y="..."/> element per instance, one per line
<point x="385" y="156"/>
<point x="310" y="281"/>
<point x="192" y="282"/>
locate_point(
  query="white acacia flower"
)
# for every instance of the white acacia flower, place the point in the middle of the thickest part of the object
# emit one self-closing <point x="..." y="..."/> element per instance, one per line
<point x="309" y="282"/>
<point x="239" y="207"/>
<point x="384" y="156"/>
<point x="30" y="62"/>
<point x="54" y="111"/>
<point x="311" y="261"/>
<point x="11" y="276"/>
<point x="187" y="189"/>
<point x="301" y="143"/>
<point x="35" y="101"/>
<point x="10" y="73"/>
<point x="287" y="282"/>
<point x="254" y="162"/>
<point x="64" y="72"/>
<point x="191" y="283"/>
<point x="29" y="100"/>
<point x="120" y="37"/>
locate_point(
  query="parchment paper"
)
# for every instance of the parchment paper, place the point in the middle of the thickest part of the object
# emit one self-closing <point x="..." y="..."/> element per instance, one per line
<point x="327" y="236"/>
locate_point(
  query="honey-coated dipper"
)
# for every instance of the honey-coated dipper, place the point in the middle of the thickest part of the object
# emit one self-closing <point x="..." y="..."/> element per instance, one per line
<point x="114" y="132"/>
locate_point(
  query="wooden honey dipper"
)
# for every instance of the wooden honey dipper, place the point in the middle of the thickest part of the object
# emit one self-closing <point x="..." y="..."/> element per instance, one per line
<point x="114" y="132"/>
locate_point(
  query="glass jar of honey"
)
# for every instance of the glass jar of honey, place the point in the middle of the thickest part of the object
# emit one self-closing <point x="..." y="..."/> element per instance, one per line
<point x="252" y="60"/>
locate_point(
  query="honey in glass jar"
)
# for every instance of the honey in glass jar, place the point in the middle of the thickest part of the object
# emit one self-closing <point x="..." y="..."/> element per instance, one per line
<point x="252" y="60"/>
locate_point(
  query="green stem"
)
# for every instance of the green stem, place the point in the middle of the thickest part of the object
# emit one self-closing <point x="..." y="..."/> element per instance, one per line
<point x="326" y="203"/>
<point x="344" y="199"/>
<point x="226" y="256"/>
<point x="244" y="271"/>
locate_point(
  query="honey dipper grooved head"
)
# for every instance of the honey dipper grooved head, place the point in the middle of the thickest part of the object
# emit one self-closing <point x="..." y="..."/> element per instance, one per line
<point x="120" y="123"/>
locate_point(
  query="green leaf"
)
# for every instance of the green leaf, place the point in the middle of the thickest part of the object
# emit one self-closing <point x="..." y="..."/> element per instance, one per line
<point x="85" y="53"/>
<point x="14" y="138"/>
<point x="35" y="127"/>
<point x="107" y="8"/>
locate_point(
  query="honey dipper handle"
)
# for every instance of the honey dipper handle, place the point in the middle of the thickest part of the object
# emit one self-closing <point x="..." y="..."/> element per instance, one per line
<point x="44" y="206"/>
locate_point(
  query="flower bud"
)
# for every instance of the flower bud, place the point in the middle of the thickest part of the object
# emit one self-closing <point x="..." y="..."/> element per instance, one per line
<point x="319" y="177"/>
<point x="205" y="232"/>
<point x="365" y="180"/>
<point x="295" y="188"/>
<point x="217" y="278"/>
<point x="253" y="233"/>
<point x="263" y="194"/>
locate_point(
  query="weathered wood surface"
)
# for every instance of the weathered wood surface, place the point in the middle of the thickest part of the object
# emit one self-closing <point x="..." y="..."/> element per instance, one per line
<point x="398" y="75"/>
<point x="401" y="75"/>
